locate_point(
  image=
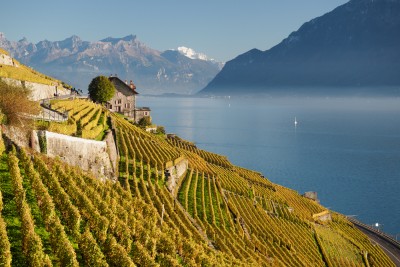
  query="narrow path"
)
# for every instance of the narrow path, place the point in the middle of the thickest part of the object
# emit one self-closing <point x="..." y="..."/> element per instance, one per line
<point x="51" y="115"/>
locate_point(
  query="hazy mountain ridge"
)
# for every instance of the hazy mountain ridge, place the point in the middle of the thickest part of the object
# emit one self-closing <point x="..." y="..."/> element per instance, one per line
<point x="355" y="45"/>
<point x="77" y="62"/>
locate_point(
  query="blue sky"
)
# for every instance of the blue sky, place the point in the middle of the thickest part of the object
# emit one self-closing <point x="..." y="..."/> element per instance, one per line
<point x="222" y="29"/>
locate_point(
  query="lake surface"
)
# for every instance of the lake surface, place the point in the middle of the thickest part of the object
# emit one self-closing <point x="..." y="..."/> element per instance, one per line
<point x="348" y="150"/>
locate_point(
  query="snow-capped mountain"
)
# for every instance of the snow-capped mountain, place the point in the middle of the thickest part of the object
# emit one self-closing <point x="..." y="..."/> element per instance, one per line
<point x="190" y="53"/>
<point x="77" y="62"/>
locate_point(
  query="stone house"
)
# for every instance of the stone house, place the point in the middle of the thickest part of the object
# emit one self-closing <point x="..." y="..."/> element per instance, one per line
<point x="124" y="100"/>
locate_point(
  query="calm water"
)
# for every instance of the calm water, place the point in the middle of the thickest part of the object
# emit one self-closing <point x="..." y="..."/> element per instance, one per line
<point x="348" y="150"/>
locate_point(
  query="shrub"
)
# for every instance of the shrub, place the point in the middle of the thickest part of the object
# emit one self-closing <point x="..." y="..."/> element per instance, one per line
<point x="160" y="129"/>
<point x="15" y="105"/>
<point x="145" y="121"/>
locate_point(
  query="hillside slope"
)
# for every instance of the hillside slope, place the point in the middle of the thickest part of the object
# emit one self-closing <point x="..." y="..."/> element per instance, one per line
<point x="220" y="214"/>
<point x="42" y="86"/>
<point x="353" y="49"/>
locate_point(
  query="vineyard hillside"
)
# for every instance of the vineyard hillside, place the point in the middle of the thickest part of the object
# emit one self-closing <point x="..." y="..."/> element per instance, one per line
<point x="42" y="86"/>
<point x="219" y="214"/>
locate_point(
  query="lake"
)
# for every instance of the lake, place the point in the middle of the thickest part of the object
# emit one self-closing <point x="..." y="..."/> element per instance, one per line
<point x="348" y="150"/>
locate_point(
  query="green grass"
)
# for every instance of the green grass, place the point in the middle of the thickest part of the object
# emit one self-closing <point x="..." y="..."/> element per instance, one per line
<point x="191" y="193"/>
<point x="107" y="126"/>
<point x="207" y="203"/>
<point x="36" y="214"/>
<point x="10" y="214"/>
<point x="197" y="193"/>
<point x="182" y="191"/>
<point x="13" y="221"/>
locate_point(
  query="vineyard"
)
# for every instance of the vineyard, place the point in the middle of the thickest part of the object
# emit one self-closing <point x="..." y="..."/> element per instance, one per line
<point x="52" y="214"/>
<point x="85" y="119"/>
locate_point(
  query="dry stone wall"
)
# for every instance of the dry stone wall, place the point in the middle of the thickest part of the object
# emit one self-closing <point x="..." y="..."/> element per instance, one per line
<point x="6" y="60"/>
<point x="39" y="91"/>
<point x="43" y="91"/>
<point x="98" y="157"/>
<point x="112" y="150"/>
<point x="175" y="175"/>
<point x="16" y="135"/>
<point x="90" y="155"/>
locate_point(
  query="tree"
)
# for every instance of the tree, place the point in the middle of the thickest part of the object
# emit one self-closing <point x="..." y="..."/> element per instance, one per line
<point x="160" y="129"/>
<point x="101" y="89"/>
<point x="16" y="107"/>
<point x="145" y="121"/>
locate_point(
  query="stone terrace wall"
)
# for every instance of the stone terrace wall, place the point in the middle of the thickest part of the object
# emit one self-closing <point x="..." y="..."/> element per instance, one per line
<point x="39" y="91"/>
<point x="176" y="172"/>
<point x="6" y="60"/>
<point x="112" y="150"/>
<point x="43" y="91"/>
<point x="89" y="155"/>
<point x="16" y="135"/>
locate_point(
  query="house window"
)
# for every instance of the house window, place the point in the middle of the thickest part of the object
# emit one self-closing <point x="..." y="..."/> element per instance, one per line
<point x="110" y="106"/>
<point x="115" y="102"/>
<point x="145" y="113"/>
<point x="119" y="101"/>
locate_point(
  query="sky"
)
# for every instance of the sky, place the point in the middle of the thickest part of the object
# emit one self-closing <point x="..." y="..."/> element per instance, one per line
<point x="222" y="29"/>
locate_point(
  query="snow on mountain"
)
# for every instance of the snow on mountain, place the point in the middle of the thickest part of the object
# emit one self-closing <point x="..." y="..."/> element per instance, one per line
<point x="155" y="72"/>
<point x="190" y="53"/>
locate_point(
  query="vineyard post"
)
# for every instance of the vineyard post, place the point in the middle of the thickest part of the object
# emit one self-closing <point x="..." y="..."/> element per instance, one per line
<point x="162" y="214"/>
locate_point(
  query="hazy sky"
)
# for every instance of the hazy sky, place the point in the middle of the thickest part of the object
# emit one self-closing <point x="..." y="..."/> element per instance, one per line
<point x="222" y="29"/>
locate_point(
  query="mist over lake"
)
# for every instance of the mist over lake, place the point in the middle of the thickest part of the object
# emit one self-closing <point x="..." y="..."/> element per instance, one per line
<point x="346" y="149"/>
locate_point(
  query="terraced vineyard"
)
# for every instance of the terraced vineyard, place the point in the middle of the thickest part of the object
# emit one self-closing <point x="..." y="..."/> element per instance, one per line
<point x="222" y="215"/>
<point x="24" y="73"/>
<point x="86" y="119"/>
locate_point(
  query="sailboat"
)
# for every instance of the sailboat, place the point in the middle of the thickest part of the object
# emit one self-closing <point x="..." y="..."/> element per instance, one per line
<point x="295" y="121"/>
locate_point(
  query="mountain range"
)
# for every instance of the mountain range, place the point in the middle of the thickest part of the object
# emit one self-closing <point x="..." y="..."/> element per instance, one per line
<point x="77" y="62"/>
<point x="354" y="49"/>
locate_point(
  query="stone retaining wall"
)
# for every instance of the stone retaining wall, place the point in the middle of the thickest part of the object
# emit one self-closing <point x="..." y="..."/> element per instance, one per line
<point x="6" y="60"/>
<point x="89" y="155"/>
<point x="175" y="175"/>
<point x="39" y="91"/>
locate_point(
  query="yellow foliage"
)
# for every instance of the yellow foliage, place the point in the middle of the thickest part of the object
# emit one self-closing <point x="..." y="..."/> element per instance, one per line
<point x="93" y="133"/>
<point x="2" y="51"/>
<point x="24" y="73"/>
<point x="62" y="128"/>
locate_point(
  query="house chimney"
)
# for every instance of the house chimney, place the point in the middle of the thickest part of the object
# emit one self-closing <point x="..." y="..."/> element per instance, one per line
<point x="131" y="85"/>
